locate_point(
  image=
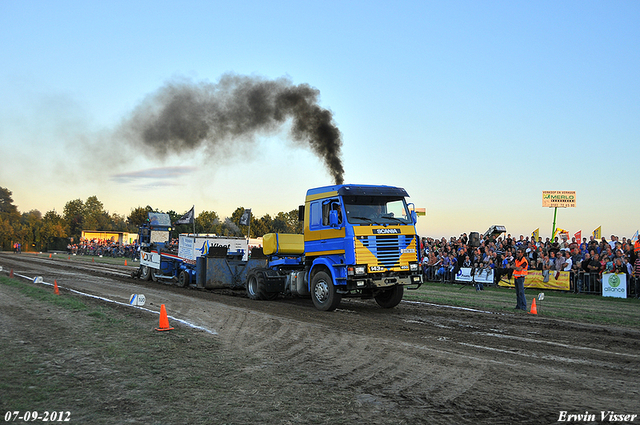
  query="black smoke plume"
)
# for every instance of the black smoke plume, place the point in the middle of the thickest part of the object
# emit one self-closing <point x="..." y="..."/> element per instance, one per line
<point x="183" y="115"/>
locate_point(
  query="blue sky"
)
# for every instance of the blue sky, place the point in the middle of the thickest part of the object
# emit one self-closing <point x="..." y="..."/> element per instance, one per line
<point x="474" y="107"/>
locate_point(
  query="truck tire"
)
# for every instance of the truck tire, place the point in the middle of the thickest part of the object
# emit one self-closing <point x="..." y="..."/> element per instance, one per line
<point x="183" y="279"/>
<point x="323" y="292"/>
<point x="390" y="297"/>
<point x="145" y="273"/>
<point x="256" y="287"/>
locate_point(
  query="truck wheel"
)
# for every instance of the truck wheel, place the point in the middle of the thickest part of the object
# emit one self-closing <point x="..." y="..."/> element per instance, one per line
<point x="183" y="279"/>
<point x="256" y="287"/>
<point x="391" y="297"/>
<point x="145" y="273"/>
<point x="154" y="272"/>
<point x="323" y="292"/>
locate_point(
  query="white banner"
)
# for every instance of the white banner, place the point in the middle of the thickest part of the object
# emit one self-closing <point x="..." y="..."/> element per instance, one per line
<point x="464" y="275"/>
<point x="190" y="247"/>
<point x="614" y="285"/>
<point x="483" y="276"/>
<point x="150" y="259"/>
<point x="479" y="275"/>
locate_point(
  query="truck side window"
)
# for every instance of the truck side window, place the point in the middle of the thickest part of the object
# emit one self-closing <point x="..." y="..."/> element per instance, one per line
<point x="331" y="205"/>
<point x="315" y="215"/>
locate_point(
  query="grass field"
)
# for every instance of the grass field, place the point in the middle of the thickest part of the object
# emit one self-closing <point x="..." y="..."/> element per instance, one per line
<point x="556" y="304"/>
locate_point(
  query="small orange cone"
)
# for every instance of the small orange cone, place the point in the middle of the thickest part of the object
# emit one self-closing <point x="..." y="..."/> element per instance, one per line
<point x="55" y="287"/>
<point x="69" y="258"/>
<point x="164" y="320"/>
<point x="125" y="262"/>
<point x="49" y="255"/>
<point x="11" y="273"/>
<point x="534" y="309"/>
<point x="93" y="260"/>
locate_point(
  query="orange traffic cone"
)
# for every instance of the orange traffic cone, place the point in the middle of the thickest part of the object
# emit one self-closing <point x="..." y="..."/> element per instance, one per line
<point x="11" y="273"/>
<point x="93" y="260"/>
<point x="55" y="287"/>
<point x="125" y="262"/>
<point x="164" y="320"/>
<point x="49" y="255"/>
<point x="534" y="309"/>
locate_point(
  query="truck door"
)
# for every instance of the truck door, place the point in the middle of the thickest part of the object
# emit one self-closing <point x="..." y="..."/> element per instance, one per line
<point x="326" y="232"/>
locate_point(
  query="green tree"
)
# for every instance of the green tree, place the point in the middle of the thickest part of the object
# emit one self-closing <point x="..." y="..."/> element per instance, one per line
<point x="95" y="217"/>
<point x="53" y="228"/>
<point x="295" y="225"/>
<point x="280" y="224"/>
<point x="9" y="218"/>
<point x="208" y="222"/>
<point x="139" y="216"/>
<point x="31" y="226"/>
<point x="262" y="225"/>
<point x="7" y="209"/>
<point x="73" y="214"/>
<point x="118" y="223"/>
<point x="6" y="233"/>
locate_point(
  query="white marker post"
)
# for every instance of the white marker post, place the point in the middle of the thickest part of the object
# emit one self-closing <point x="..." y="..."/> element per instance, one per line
<point x="137" y="299"/>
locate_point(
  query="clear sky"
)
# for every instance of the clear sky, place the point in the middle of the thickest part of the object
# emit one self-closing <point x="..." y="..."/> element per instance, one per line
<point x="474" y="107"/>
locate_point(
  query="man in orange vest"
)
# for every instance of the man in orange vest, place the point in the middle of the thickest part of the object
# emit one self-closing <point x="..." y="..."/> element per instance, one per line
<point x="520" y="271"/>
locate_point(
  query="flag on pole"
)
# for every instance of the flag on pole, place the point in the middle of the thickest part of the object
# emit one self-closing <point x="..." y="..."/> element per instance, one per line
<point x="634" y="237"/>
<point x="598" y="233"/>
<point x="578" y="236"/>
<point x="535" y="234"/>
<point x="246" y="217"/>
<point x="558" y="232"/>
<point x="421" y="211"/>
<point x="188" y="217"/>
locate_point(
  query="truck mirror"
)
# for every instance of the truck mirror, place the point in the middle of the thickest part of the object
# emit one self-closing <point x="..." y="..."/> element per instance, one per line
<point x="414" y="217"/>
<point x="333" y="218"/>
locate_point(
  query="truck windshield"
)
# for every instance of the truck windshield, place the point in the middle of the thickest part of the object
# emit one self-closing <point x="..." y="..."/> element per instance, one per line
<point x="376" y="210"/>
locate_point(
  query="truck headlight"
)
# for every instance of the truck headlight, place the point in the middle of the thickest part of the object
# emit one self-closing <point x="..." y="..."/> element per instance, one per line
<point x="360" y="270"/>
<point x="413" y="267"/>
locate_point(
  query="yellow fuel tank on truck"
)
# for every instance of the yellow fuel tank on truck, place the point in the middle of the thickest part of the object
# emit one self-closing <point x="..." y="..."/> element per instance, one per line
<point x="283" y="244"/>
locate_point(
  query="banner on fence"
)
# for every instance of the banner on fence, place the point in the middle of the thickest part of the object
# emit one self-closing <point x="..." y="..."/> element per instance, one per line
<point x="483" y="276"/>
<point x="479" y="275"/>
<point x="542" y="280"/>
<point x="614" y="285"/>
<point x="464" y="275"/>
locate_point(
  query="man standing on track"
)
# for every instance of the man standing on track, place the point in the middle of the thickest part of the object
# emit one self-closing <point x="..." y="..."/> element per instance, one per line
<point x="520" y="271"/>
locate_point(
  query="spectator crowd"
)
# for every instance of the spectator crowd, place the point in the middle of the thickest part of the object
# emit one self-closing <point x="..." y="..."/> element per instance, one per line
<point x="104" y="248"/>
<point x="586" y="260"/>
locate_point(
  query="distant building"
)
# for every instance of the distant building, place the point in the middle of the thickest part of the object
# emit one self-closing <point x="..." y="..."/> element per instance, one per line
<point x="120" y="237"/>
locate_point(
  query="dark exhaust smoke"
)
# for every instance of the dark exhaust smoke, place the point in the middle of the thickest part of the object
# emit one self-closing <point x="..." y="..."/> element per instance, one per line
<point x="183" y="115"/>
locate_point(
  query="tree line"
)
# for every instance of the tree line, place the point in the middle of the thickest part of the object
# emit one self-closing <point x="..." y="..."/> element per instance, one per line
<point x="51" y="231"/>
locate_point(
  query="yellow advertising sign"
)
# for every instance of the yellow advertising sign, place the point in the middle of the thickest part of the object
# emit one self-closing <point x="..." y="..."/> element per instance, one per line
<point x="559" y="198"/>
<point x="537" y="279"/>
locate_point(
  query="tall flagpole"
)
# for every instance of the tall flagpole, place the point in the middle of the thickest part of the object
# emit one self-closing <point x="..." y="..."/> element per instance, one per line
<point x="194" y="219"/>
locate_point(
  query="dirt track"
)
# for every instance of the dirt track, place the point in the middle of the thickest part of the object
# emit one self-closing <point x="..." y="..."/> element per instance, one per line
<point x="417" y="363"/>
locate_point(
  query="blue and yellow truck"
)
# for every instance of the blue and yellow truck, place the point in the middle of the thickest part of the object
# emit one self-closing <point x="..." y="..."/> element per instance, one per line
<point x="358" y="241"/>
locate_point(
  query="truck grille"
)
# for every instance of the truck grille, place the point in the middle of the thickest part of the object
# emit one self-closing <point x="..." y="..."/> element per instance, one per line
<point x="386" y="248"/>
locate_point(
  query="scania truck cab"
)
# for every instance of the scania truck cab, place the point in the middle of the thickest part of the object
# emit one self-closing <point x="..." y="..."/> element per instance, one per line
<point x="359" y="241"/>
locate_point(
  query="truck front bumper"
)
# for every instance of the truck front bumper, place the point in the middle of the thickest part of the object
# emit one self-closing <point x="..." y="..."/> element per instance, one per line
<point x="369" y="282"/>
